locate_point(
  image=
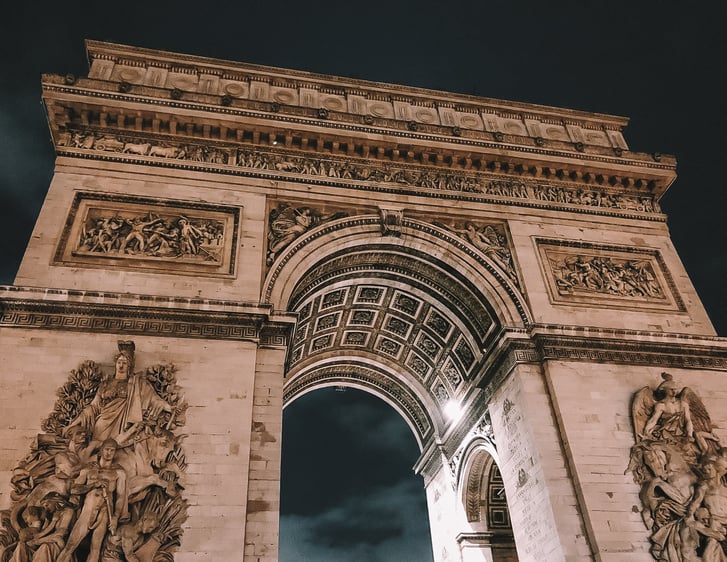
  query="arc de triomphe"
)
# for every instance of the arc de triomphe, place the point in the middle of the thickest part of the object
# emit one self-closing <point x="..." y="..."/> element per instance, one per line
<point x="499" y="272"/>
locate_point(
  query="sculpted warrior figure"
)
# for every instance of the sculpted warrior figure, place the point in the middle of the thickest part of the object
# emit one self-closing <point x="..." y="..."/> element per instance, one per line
<point x="680" y="465"/>
<point x="120" y="402"/>
<point x="103" y="485"/>
<point x="49" y="542"/>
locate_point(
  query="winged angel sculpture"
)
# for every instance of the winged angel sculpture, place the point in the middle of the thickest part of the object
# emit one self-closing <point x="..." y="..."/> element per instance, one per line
<point x="680" y="465"/>
<point x="104" y="481"/>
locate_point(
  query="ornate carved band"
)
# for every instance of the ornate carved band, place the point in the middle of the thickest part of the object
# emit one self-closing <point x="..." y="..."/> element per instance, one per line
<point x="437" y="180"/>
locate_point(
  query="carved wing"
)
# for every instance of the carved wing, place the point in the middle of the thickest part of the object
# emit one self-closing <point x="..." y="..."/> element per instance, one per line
<point x="700" y="418"/>
<point x="491" y="235"/>
<point x="641" y="409"/>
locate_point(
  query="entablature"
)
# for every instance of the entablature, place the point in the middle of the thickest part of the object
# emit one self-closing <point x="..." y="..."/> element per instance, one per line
<point x="126" y="95"/>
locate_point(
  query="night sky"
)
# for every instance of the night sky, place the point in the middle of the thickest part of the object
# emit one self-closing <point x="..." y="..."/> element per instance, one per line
<point x="660" y="63"/>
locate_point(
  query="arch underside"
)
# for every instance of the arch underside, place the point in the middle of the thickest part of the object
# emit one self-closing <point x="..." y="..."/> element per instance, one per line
<point x="406" y="318"/>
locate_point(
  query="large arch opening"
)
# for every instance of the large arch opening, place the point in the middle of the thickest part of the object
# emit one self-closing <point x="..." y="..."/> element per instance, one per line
<point x="347" y="488"/>
<point x="411" y="319"/>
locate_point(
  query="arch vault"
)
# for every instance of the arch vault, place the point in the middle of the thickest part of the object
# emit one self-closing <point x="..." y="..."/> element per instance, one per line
<point x="500" y="273"/>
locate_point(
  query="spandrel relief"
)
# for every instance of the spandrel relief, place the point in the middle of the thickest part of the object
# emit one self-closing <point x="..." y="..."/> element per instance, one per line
<point x="681" y="466"/>
<point x="614" y="276"/>
<point x="105" y="479"/>
<point x="490" y="239"/>
<point x="149" y="234"/>
<point x="286" y="223"/>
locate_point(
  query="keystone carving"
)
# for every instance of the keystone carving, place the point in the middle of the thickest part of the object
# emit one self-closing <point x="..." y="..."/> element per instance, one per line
<point x="104" y="480"/>
<point x="680" y="465"/>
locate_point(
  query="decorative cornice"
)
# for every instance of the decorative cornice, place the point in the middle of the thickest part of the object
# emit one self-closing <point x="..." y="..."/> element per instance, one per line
<point x="542" y="342"/>
<point x="120" y="54"/>
<point x="146" y="315"/>
<point x="76" y="105"/>
<point x="144" y="89"/>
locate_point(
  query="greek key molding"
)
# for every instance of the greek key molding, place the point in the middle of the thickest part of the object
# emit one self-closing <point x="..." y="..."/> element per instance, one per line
<point x="141" y="320"/>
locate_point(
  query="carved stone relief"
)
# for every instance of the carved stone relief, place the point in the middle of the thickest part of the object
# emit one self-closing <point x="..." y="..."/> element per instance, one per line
<point x="490" y="239"/>
<point x="104" y="480"/>
<point x="286" y="223"/>
<point x="680" y="465"/>
<point x="466" y="182"/>
<point x="592" y="274"/>
<point x="155" y="234"/>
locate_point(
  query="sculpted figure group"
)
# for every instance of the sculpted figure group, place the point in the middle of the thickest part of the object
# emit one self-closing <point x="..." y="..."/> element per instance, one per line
<point x="103" y="483"/>
<point x="152" y="236"/>
<point x="681" y="467"/>
<point x="607" y="276"/>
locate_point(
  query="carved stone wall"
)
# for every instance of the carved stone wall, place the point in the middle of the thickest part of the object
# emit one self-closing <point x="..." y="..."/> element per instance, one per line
<point x="270" y="232"/>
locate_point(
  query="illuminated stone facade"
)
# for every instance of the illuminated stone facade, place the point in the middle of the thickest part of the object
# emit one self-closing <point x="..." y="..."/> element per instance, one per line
<point x="499" y="272"/>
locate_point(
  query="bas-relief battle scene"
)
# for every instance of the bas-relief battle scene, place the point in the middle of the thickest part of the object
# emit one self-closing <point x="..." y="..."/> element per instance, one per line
<point x="104" y="480"/>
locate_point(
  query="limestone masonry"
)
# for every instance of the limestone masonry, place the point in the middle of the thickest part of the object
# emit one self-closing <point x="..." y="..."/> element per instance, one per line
<point x="219" y="238"/>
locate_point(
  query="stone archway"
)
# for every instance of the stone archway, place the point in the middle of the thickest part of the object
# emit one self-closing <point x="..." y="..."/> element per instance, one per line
<point x="483" y="497"/>
<point x="409" y="318"/>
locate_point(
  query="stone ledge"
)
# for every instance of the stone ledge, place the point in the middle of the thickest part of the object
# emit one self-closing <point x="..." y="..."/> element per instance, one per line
<point x="147" y="315"/>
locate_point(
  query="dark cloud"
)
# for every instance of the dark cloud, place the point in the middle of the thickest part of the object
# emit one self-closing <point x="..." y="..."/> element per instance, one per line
<point x="380" y="526"/>
<point x="340" y="445"/>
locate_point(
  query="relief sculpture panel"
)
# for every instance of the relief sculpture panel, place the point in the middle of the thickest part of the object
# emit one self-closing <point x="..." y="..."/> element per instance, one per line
<point x="286" y="223"/>
<point x="104" y="480"/>
<point x="614" y="276"/>
<point x="376" y="174"/>
<point x="153" y="234"/>
<point x="680" y="465"/>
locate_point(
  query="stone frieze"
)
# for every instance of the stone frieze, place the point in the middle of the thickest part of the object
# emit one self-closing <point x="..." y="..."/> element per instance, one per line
<point x="397" y="177"/>
<point x="135" y="232"/>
